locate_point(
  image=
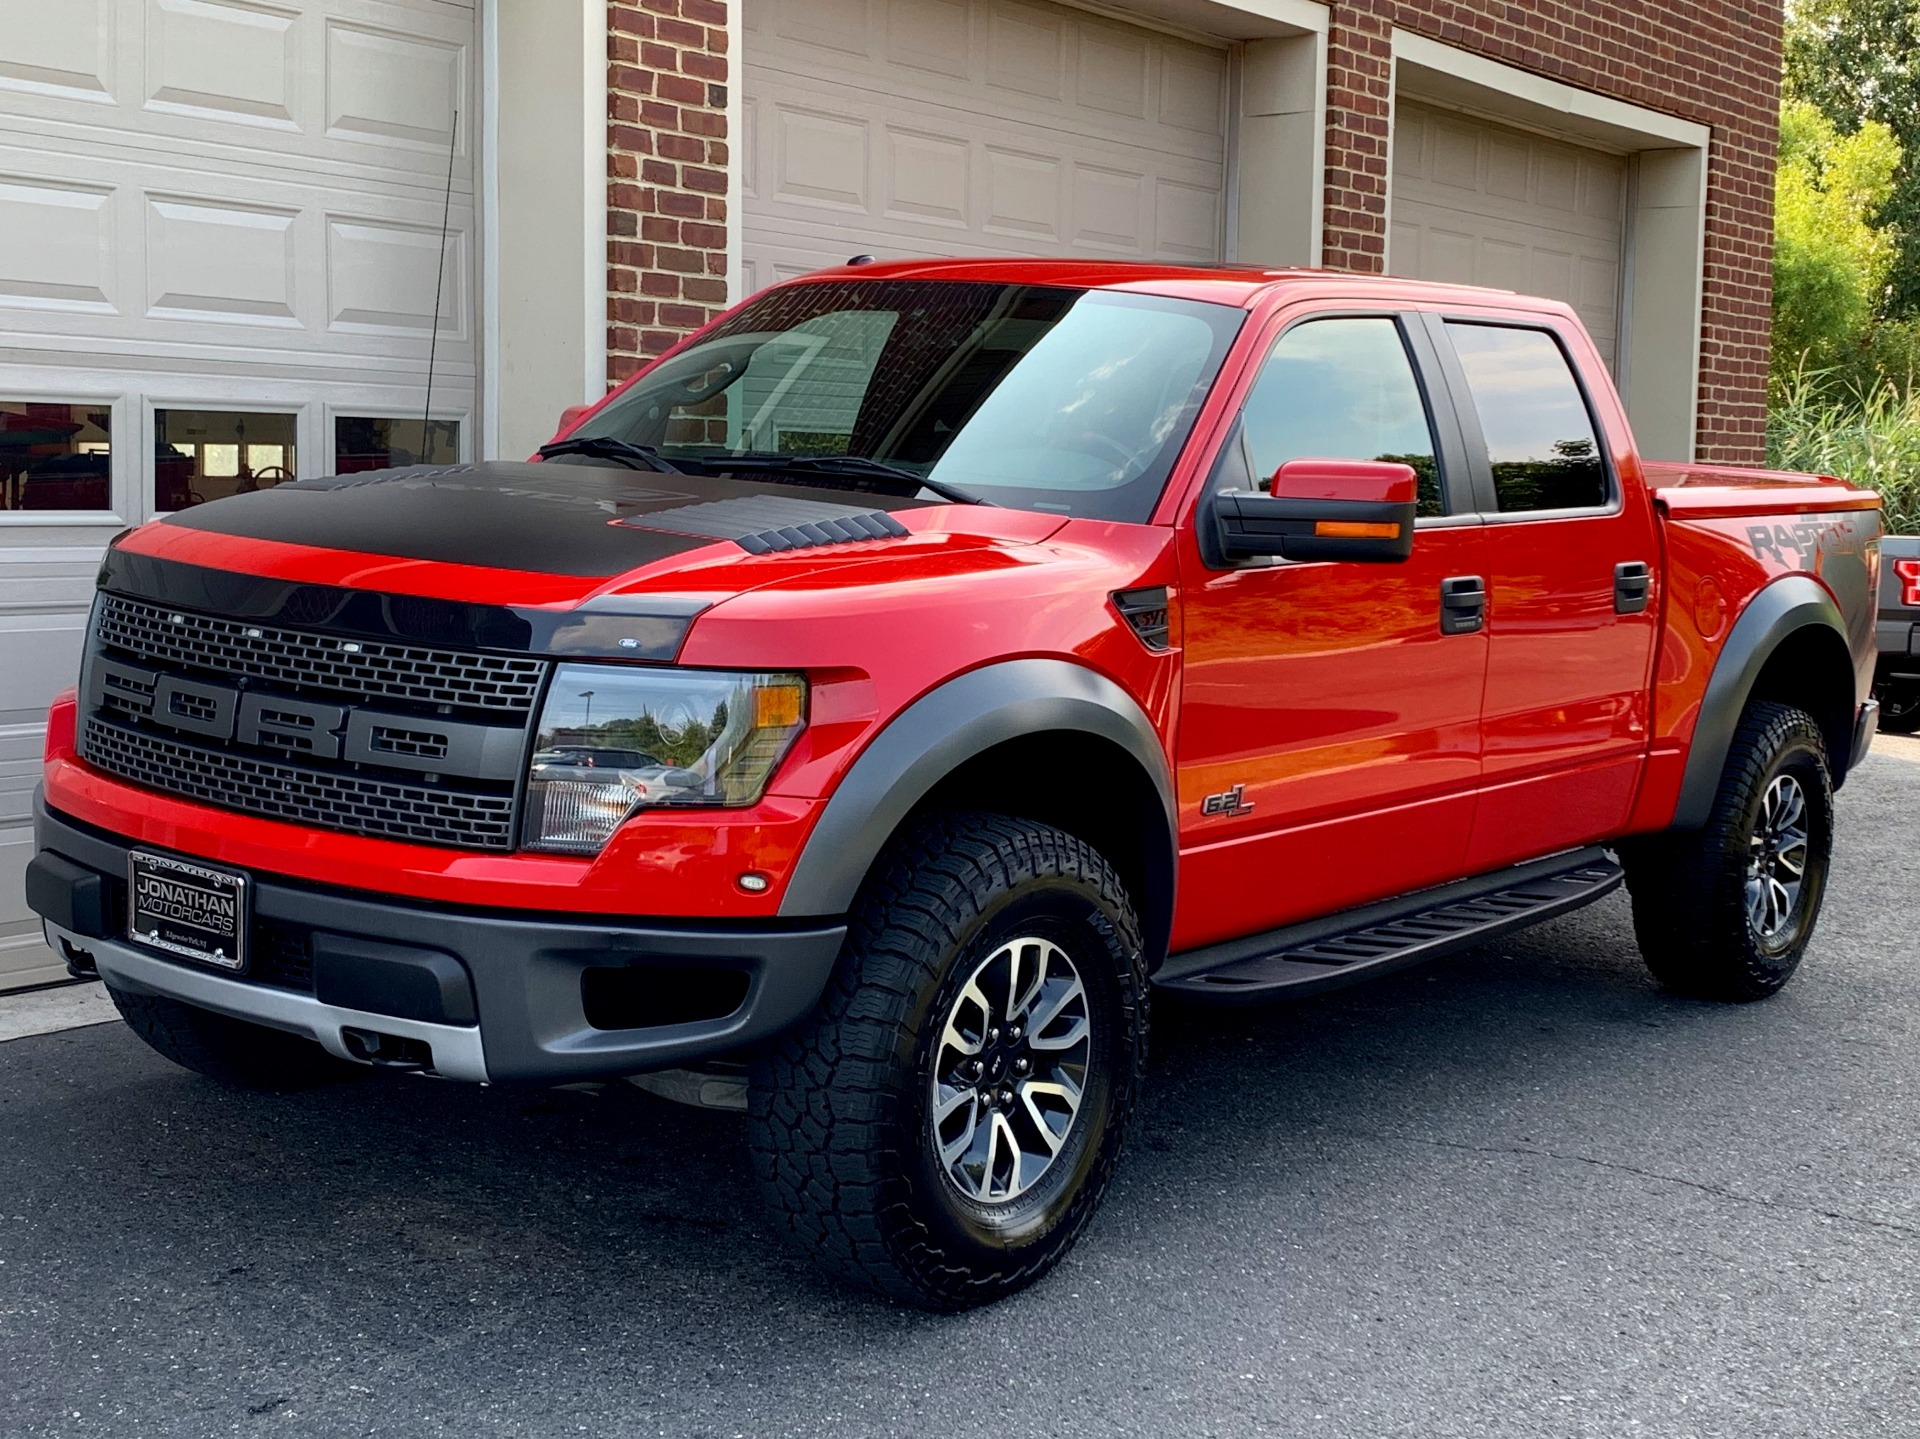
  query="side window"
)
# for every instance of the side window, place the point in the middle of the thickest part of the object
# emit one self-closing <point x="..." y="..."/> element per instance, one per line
<point x="1540" y="436"/>
<point x="1341" y="389"/>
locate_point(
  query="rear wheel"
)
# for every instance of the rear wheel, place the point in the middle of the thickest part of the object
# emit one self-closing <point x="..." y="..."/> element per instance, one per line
<point x="944" y="1126"/>
<point x="1726" y="912"/>
<point x="245" y="1056"/>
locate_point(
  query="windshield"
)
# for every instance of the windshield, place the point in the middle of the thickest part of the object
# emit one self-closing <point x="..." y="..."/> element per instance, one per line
<point x="1035" y="396"/>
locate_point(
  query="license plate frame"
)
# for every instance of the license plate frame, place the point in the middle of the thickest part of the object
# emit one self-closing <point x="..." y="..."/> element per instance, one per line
<point x="191" y="910"/>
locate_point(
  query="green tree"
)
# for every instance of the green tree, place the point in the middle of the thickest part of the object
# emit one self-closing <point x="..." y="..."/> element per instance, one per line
<point x="1859" y="60"/>
<point x="1831" y="260"/>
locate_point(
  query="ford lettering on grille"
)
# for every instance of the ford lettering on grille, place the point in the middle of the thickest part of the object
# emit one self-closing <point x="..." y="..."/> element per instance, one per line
<point x="433" y="764"/>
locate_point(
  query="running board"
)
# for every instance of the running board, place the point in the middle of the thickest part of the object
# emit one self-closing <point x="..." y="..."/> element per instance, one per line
<point x="1344" y="949"/>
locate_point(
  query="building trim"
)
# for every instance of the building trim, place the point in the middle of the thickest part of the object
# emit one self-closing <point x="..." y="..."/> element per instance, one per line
<point x="737" y="159"/>
<point x="1437" y="73"/>
<point x="1217" y="19"/>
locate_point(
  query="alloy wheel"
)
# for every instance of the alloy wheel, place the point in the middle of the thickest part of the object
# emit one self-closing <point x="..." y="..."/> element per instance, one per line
<point x="1777" y="860"/>
<point x="1009" y="1070"/>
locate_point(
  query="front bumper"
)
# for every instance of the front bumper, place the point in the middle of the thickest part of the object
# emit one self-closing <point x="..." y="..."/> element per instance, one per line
<point x="491" y="995"/>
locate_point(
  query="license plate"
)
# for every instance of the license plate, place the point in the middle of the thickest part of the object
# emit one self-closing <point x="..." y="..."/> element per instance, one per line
<point x="187" y="909"/>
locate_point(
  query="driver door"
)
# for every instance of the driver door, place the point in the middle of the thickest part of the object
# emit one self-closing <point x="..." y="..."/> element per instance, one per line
<point x="1329" y="743"/>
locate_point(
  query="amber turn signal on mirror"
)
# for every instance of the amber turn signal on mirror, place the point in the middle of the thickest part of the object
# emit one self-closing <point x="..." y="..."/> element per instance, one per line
<point x="1355" y="530"/>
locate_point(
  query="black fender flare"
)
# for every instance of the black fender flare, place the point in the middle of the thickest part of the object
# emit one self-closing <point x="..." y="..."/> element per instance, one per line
<point x="1789" y="604"/>
<point x="940" y="731"/>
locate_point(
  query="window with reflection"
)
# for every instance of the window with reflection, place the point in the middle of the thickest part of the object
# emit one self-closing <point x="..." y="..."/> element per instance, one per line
<point x="1341" y="389"/>
<point x="202" y="455"/>
<point x="374" y="442"/>
<point x="1540" y="436"/>
<point x="56" y="456"/>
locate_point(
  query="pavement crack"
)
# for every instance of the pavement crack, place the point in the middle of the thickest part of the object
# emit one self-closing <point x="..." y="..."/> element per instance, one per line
<point x="1718" y="1191"/>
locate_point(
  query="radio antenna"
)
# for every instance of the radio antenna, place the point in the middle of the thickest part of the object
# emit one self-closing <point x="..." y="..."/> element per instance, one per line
<point x="439" y="282"/>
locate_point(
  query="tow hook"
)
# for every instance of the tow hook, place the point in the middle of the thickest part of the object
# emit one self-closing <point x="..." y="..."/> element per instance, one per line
<point x="388" y="1051"/>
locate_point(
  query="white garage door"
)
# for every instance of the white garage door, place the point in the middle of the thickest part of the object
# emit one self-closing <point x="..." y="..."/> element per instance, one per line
<point x="975" y="127"/>
<point x="1479" y="204"/>
<point x="219" y="250"/>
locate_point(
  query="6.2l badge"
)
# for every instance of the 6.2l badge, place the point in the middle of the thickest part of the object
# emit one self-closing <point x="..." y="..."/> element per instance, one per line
<point x="1233" y="803"/>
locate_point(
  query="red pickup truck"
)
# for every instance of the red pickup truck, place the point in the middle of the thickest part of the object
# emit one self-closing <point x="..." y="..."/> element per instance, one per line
<point x="888" y="690"/>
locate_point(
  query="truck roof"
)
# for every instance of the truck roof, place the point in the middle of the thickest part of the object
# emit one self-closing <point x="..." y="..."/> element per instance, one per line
<point x="1224" y="283"/>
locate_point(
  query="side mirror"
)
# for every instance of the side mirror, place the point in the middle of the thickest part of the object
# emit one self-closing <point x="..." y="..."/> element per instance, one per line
<point x="1322" y="510"/>
<point x="570" y="417"/>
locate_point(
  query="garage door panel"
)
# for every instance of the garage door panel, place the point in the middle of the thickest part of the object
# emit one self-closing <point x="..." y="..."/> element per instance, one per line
<point x="56" y="244"/>
<point x="819" y="158"/>
<point x="1114" y="73"/>
<point x="934" y="36"/>
<point x="928" y="178"/>
<point x="233" y="62"/>
<point x="1025" y="196"/>
<point x="1481" y="204"/>
<point x="349" y="89"/>
<point x="396" y="90"/>
<point x="1097" y="138"/>
<point x="1109" y="208"/>
<point x="220" y="260"/>
<point x="63" y="51"/>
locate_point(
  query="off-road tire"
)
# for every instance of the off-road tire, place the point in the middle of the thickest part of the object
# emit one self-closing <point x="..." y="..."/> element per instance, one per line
<point x="840" y="1107"/>
<point x="238" y="1054"/>
<point x="1689" y="887"/>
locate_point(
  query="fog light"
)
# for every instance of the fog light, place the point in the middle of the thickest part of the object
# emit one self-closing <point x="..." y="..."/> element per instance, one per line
<point x="754" y="883"/>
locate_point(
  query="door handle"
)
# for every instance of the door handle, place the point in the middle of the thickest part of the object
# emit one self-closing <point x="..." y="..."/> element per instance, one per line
<point x="1632" y="583"/>
<point x="1463" y="605"/>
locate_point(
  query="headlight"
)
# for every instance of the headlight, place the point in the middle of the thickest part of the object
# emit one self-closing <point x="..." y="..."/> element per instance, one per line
<point x="613" y="739"/>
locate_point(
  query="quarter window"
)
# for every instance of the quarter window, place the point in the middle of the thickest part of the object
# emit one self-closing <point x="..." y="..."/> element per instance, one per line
<point x="1341" y="389"/>
<point x="1540" y="438"/>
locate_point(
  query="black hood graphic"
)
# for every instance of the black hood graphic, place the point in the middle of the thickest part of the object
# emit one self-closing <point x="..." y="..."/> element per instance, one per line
<point x="555" y="517"/>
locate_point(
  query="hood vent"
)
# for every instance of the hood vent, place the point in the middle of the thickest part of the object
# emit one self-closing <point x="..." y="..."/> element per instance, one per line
<point x="770" y="524"/>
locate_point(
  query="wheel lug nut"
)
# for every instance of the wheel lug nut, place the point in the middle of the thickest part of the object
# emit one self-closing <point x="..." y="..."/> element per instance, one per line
<point x="993" y="1036"/>
<point x="1021" y="1066"/>
<point x="1015" y="1032"/>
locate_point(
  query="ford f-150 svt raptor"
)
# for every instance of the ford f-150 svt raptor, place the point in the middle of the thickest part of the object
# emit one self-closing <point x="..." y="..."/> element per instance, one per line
<point x="891" y="687"/>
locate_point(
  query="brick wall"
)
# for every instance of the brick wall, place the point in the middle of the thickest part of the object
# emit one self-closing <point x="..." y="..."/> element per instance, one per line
<point x="1716" y="62"/>
<point x="1711" y="61"/>
<point x="667" y="76"/>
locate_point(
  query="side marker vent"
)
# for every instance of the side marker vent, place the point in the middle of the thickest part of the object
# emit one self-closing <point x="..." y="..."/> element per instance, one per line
<point x="1146" y="612"/>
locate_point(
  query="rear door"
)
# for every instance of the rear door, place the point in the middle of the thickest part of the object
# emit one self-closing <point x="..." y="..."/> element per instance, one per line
<point x="1573" y="558"/>
<point x="1329" y="741"/>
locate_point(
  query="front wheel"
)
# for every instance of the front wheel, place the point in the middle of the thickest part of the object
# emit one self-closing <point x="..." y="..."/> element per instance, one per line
<point x="1727" y="911"/>
<point x="943" y="1127"/>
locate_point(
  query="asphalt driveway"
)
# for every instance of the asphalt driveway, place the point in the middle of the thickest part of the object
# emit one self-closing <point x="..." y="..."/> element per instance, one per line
<point x="1522" y="1193"/>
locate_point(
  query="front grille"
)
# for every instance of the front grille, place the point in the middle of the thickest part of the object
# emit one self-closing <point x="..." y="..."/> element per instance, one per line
<point x="500" y="685"/>
<point x="385" y="738"/>
<point x="390" y="809"/>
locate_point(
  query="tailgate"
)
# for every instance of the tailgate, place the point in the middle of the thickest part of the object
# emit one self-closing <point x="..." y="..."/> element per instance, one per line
<point x="1898" y="627"/>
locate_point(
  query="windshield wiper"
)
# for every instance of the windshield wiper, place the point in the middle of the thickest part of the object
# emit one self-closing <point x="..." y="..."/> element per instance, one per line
<point x="607" y="447"/>
<point x="852" y="466"/>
